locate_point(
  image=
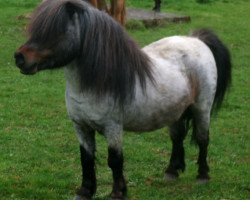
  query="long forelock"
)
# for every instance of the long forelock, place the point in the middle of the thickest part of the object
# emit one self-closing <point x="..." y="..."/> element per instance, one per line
<point x="48" y="21"/>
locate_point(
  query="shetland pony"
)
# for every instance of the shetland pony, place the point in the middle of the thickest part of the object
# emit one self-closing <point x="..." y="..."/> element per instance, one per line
<point x="113" y="85"/>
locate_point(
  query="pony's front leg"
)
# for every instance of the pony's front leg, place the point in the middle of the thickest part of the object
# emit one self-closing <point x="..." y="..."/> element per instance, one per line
<point x="86" y="138"/>
<point x="113" y="134"/>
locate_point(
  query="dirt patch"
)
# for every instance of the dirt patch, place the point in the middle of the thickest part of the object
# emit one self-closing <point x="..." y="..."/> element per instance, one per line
<point x="147" y="17"/>
<point x="151" y="18"/>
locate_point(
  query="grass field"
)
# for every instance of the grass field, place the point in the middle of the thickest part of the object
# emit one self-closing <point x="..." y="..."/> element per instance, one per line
<point x="39" y="157"/>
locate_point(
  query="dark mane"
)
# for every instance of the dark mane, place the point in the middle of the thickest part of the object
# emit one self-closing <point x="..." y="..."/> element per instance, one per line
<point x="110" y="62"/>
<point x="48" y="21"/>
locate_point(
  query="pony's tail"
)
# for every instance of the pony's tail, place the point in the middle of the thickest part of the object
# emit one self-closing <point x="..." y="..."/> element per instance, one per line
<point x="223" y="63"/>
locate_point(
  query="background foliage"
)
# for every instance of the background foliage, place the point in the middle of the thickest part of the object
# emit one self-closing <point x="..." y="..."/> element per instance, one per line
<point x="39" y="157"/>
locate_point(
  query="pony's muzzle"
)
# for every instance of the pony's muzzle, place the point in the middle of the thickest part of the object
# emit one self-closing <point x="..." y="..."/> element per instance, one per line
<point x="20" y="60"/>
<point x="23" y="66"/>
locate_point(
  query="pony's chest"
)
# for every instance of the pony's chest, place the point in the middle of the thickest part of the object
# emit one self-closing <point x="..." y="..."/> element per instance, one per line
<point x="85" y="109"/>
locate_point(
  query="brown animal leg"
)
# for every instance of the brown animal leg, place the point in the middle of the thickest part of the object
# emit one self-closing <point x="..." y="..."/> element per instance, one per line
<point x="93" y="2"/>
<point x="118" y="10"/>
<point x="101" y="5"/>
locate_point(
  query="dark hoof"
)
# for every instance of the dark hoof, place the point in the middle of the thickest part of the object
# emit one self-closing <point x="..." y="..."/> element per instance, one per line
<point x="171" y="174"/>
<point x="83" y="194"/>
<point x="170" y="177"/>
<point x="117" y="196"/>
<point x="203" y="179"/>
<point x="77" y="197"/>
<point x="123" y="198"/>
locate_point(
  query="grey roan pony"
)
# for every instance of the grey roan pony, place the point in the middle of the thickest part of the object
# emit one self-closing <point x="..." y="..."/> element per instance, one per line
<point x="112" y="85"/>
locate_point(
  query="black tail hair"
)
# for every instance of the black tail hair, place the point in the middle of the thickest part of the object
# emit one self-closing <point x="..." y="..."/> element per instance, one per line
<point x="223" y="63"/>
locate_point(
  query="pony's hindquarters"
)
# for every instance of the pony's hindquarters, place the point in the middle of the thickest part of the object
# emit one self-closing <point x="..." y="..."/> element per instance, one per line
<point x="206" y="63"/>
<point x="200" y="68"/>
<point x="223" y="62"/>
<point x="201" y="116"/>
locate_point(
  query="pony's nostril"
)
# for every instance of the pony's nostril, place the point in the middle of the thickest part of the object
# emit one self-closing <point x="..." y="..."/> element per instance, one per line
<point x="20" y="61"/>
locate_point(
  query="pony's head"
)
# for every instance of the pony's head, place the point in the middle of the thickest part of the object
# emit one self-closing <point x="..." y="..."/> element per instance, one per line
<point x="71" y="31"/>
<point x="54" y="37"/>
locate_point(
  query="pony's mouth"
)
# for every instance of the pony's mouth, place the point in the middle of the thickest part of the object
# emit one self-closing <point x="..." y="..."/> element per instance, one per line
<point x="31" y="70"/>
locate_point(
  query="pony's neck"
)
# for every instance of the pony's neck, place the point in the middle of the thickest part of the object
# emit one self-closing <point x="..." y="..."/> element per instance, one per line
<point x="109" y="61"/>
<point x="72" y="78"/>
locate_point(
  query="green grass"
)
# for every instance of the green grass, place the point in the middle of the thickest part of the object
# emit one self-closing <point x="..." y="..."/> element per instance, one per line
<point x="39" y="157"/>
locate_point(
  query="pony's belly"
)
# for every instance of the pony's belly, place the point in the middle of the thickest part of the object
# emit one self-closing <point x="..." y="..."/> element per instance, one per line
<point x="162" y="105"/>
<point x="145" y="126"/>
<point x="147" y="120"/>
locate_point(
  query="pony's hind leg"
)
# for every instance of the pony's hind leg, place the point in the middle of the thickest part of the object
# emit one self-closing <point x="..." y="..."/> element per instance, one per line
<point x="177" y="161"/>
<point x="86" y="138"/>
<point x="201" y="137"/>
